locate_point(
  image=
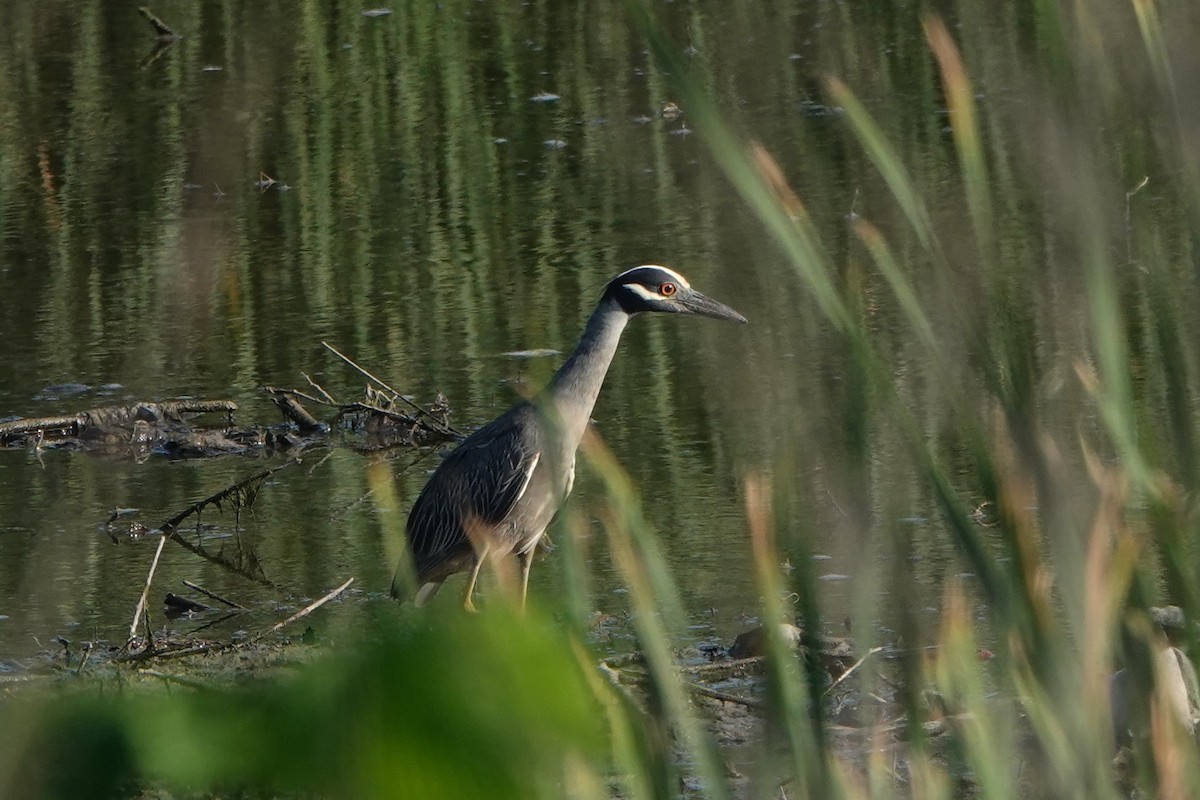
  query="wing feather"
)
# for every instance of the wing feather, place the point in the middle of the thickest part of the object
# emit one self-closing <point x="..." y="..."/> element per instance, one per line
<point x="480" y="482"/>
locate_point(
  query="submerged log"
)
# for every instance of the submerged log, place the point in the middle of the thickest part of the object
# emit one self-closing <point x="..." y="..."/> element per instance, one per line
<point x="112" y="423"/>
<point x="22" y="428"/>
<point x="140" y="430"/>
<point x="290" y="407"/>
<point x="175" y="604"/>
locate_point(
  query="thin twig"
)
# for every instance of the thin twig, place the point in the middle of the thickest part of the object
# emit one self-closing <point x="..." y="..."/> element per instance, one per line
<point x="328" y="397"/>
<point x="137" y="612"/>
<point x="726" y="667"/>
<point x="304" y="612"/>
<point x="87" y="653"/>
<point x="170" y="526"/>
<point x="302" y="395"/>
<point x="315" y="466"/>
<point x="204" y="647"/>
<point x="444" y="428"/>
<point x="214" y="596"/>
<point x="161" y="29"/>
<point x="340" y="513"/>
<point x="352" y="363"/>
<point x="725" y="697"/>
<point x="851" y="669"/>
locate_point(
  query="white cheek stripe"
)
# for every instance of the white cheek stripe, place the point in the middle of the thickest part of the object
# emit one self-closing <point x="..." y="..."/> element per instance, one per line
<point x="642" y="291"/>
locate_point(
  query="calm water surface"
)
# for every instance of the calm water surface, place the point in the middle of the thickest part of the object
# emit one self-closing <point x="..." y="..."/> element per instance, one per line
<point x="431" y="210"/>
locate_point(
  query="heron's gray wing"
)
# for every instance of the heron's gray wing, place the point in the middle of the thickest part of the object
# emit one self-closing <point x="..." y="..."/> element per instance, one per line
<point x="478" y="483"/>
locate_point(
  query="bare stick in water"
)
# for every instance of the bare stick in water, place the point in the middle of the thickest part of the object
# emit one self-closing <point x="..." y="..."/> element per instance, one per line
<point x="161" y="29"/>
<point x="137" y="612"/>
<point x="304" y="612"/>
<point x="214" y="596"/>
<point x="436" y="422"/>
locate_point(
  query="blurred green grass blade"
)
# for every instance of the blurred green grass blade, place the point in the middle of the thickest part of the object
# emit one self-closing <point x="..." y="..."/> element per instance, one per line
<point x="1167" y="324"/>
<point x="889" y="164"/>
<point x="966" y="534"/>
<point x="773" y="202"/>
<point x="1150" y="27"/>
<point x="964" y="124"/>
<point x="795" y="702"/>
<point x="576" y="577"/>
<point x="395" y="548"/>
<point x="624" y="727"/>
<point x="788" y="223"/>
<point x="877" y="246"/>
<point x="1078" y="758"/>
<point x="655" y="602"/>
<point x="1113" y="392"/>
<point x="987" y="733"/>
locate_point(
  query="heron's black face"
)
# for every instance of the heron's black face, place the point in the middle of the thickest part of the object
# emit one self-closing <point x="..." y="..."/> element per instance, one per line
<point x="654" y="288"/>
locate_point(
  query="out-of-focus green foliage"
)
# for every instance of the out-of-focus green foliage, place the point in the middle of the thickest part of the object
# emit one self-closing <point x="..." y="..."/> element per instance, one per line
<point x="492" y="705"/>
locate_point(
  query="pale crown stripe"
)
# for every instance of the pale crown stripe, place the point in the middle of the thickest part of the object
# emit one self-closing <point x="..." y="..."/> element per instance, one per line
<point x="675" y="276"/>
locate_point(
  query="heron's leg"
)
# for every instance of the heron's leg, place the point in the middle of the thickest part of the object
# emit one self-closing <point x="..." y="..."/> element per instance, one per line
<point x="526" y="560"/>
<point x="468" y="602"/>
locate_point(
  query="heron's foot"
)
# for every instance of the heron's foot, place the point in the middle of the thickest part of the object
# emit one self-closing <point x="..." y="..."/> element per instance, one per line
<point x="469" y="605"/>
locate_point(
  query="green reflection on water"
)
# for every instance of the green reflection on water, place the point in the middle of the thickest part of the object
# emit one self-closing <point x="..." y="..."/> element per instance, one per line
<point x="420" y="222"/>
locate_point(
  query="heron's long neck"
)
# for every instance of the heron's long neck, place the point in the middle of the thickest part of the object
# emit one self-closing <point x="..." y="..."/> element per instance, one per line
<point x="575" y="386"/>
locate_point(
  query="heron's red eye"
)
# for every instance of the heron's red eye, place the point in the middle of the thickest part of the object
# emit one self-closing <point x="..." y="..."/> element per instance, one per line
<point x="668" y="289"/>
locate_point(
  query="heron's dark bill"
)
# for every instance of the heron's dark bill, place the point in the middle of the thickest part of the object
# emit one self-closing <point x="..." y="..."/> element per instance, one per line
<point x="701" y="304"/>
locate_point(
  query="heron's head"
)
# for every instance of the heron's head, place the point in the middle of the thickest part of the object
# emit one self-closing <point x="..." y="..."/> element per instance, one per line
<point x="654" y="288"/>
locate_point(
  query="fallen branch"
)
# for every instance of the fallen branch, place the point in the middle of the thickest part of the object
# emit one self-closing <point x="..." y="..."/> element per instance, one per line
<point x="372" y="408"/>
<point x="242" y="494"/>
<point x="304" y="612"/>
<point x="114" y="421"/>
<point x="725" y="697"/>
<point x="214" y="596"/>
<point x="196" y="649"/>
<point x="64" y="425"/>
<point x="87" y="653"/>
<point x="211" y="647"/>
<point x="289" y="406"/>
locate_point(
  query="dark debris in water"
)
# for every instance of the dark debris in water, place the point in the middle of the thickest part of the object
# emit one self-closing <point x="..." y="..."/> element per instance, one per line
<point x="137" y="430"/>
<point x="177" y="429"/>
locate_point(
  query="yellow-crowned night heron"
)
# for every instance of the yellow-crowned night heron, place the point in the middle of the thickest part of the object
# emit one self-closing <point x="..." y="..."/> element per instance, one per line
<point x="496" y="493"/>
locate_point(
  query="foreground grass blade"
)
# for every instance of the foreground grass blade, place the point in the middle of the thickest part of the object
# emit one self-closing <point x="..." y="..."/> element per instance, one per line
<point x="655" y="601"/>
